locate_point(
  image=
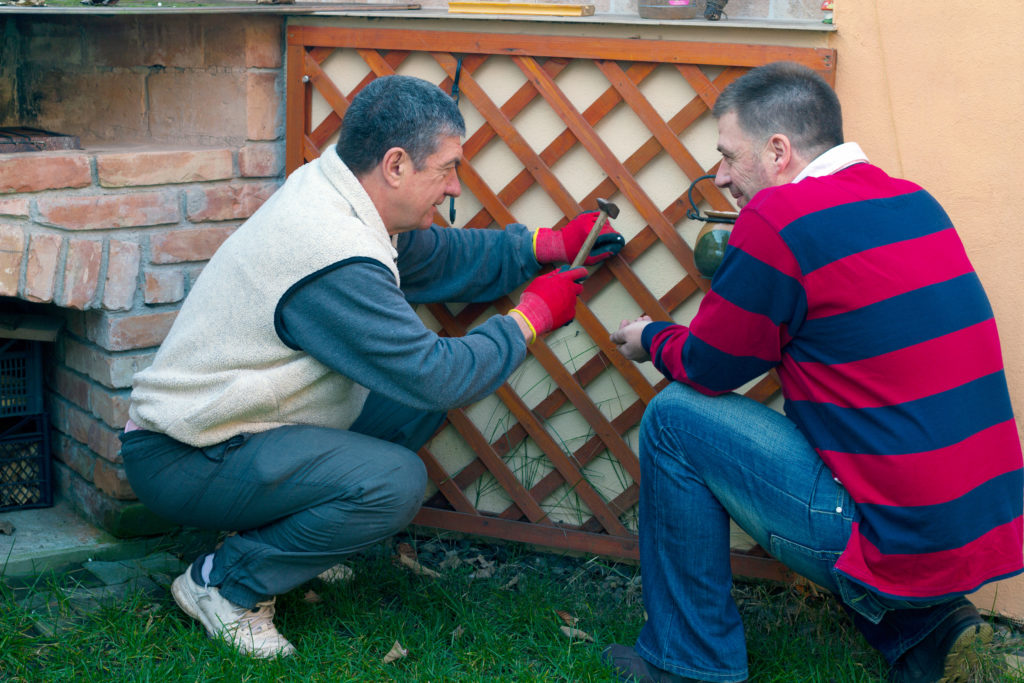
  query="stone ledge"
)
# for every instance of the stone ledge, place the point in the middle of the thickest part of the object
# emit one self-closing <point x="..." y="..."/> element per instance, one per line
<point x="172" y="7"/>
<point x="327" y="9"/>
<point x="55" y="537"/>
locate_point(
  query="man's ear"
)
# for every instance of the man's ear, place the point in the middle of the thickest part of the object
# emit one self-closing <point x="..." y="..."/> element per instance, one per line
<point x="394" y="166"/>
<point x="779" y="152"/>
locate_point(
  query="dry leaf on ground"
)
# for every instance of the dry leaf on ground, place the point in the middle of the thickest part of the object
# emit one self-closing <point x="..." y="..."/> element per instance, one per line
<point x="451" y="560"/>
<point x="576" y="634"/>
<point x="396" y="652"/>
<point x="484" y="568"/>
<point x="407" y="557"/>
<point x="416" y="567"/>
<point x="569" y="619"/>
<point x="312" y="597"/>
<point x="512" y="583"/>
<point x="339" y="573"/>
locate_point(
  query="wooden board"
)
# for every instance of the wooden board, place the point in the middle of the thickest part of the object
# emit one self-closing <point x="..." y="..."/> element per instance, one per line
<point x="282" y="7"/>
<point x="32" y="327"/>
<point x="536" y="8"/>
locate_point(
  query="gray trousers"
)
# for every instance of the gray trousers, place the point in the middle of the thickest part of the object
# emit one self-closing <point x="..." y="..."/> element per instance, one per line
<point x="300" y="498"/>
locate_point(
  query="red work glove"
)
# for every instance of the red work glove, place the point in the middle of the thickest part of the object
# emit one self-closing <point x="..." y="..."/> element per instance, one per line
<point x="549" y="301"/>
<point x="561" y="246"/>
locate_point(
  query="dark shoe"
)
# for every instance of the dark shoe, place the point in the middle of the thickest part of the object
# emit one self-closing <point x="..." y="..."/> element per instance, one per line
<point x="949" y="654"/>
<point x="629" y="666"/>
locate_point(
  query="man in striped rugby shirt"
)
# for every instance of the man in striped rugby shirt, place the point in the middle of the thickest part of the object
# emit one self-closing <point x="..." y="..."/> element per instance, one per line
<point x="894" y="479"/>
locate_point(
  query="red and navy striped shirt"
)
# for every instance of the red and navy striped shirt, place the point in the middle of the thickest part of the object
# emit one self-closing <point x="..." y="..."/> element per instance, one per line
<point x="856" y="287"/>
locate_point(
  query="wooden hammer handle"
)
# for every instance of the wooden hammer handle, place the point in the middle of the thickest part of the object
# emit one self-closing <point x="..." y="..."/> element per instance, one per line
<point x="588" y="243"/>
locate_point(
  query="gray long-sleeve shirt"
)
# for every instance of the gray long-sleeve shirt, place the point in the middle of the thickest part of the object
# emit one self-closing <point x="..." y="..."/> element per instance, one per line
<point x="354" y="319"/>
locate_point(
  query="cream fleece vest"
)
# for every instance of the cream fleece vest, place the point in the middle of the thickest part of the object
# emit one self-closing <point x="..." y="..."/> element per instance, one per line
<point x="222" y="370"/>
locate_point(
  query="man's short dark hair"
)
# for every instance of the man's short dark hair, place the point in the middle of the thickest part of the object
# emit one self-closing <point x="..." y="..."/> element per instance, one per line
<point x="396" y="111"/>
<point x="787" y="98"/>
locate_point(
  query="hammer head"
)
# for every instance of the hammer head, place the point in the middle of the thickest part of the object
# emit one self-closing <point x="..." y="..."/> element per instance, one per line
<point x="608" y="207"/>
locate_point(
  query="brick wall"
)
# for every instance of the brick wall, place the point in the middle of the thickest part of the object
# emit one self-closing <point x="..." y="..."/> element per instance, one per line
<point x="112" y="237"/>
<point x="197" y="79"/>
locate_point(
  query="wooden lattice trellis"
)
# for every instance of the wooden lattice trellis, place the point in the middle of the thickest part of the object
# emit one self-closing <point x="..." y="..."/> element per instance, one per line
<point x="625" y="64"/>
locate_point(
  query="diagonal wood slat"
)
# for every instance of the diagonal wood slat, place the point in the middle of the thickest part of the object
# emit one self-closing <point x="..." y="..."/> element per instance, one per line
<point x="618" y="173"/>
<point x="569" y="503"/>
<point x="504" y="127"/>
<point x="452" y="493"/>
<point x="665" y="136"/>
<point x="565" y="140"/>
<point x="497" y="467"/>
<point x="534" y="428"/>
<point x="569" y="472"/>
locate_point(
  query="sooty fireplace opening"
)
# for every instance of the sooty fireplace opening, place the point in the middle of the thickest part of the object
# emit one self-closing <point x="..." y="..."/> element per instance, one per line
<point x="27" y="139"/>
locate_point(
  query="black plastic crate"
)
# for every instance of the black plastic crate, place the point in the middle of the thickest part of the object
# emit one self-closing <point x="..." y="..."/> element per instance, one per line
<point x="21" y="377"/>
<point x="25" y="470"/>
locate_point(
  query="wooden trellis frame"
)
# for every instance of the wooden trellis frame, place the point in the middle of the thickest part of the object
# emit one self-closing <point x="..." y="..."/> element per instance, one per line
<point x="625" y="63"/>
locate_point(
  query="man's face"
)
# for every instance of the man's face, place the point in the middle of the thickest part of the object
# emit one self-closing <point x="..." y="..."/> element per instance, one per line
<point x="745" y="167"/>
<point x="427" y="187"/>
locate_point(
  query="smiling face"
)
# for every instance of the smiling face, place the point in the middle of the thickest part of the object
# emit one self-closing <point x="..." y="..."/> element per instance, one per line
<point x="745" y="169"/>
<point x="420" y="190"/>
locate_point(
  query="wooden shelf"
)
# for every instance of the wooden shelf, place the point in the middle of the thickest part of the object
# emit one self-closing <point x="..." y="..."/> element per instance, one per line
<point x="548" y="9"/>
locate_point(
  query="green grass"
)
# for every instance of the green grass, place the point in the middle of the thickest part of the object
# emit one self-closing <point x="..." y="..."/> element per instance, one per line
<point x="456" y="628"/>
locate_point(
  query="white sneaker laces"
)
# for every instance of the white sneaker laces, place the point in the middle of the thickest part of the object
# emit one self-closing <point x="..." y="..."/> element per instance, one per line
<point x="258" y="619"/>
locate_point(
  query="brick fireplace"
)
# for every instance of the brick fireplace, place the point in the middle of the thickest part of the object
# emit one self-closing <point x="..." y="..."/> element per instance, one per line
<point x="181" y="120"/>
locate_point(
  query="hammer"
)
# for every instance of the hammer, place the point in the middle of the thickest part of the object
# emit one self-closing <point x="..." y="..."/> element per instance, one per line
<point x="607" y="209"/>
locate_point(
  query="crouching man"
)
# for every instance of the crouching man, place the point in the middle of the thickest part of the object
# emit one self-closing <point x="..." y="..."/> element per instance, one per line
<point x="297" y="382"/>
<point x="894" y="478"/>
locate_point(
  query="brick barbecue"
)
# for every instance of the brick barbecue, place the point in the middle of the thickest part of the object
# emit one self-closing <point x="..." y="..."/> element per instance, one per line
<point x="182" y="135"/>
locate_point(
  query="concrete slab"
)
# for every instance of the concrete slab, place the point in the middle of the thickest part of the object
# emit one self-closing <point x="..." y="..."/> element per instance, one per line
<point x="55" y="538"/>
<point x="120" y="571"/>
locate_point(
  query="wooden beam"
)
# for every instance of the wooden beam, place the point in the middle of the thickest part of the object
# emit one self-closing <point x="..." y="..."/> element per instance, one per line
<point x="550" y="9"/>
<point x="28" y="326"/>
<point x="569" y="47"/>
<point x="569" y="538"/>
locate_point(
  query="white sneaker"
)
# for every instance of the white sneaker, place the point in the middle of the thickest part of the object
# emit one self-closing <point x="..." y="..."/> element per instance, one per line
<point x="252" y="631"/>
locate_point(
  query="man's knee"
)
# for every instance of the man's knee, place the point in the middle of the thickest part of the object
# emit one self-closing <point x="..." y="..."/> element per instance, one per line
<point x="672" y="404"/>
<point x="678" y="428"/>
<point x="401" y="484"/>
<point x="413" y="481"/>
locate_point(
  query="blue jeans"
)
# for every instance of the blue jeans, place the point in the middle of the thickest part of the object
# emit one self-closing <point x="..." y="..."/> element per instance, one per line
<point x="705" y="459"/>
<point x="300" y="498"/>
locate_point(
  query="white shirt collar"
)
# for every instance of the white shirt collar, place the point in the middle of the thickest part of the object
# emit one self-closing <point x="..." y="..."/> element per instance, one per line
<point x="835" y="159"/>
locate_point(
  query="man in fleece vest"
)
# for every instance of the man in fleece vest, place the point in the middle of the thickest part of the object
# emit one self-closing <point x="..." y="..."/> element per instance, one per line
<point x="288" y="400"/>
<point x="894" y="478"/>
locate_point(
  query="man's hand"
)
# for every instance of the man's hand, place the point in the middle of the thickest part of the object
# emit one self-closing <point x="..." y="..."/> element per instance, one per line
<point x="561" y="246"/>
<point x="549" y="301"/>
<point x="627" y="338"/>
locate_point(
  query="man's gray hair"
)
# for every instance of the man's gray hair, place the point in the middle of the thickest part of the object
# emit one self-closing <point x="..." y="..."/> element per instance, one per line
<point x="787" y="98"/>
<point x="396" y="111"/>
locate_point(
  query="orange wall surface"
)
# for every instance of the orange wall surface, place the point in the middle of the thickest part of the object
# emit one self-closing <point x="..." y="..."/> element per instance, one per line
<point x="934" y="92"/>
